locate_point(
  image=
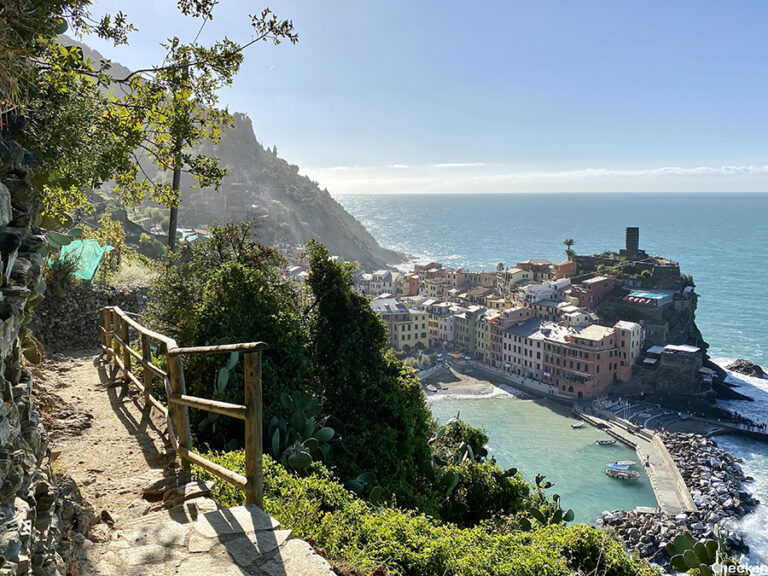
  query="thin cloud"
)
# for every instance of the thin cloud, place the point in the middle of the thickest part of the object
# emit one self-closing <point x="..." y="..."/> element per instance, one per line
<point x="497" y="178"/>
<point x="459" y="165"/>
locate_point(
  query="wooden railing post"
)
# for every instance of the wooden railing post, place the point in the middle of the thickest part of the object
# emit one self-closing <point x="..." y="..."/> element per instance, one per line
<point x="126" y="343"/>
<point x="179" y="414"/>
<point x="146" y="354"/>
<point x="254" y="490"/>
<point x="115" y="330"/>
<point x="108" y="332"/>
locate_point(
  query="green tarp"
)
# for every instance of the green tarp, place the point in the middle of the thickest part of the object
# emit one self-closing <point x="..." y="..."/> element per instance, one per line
<point x="88" y="254"/>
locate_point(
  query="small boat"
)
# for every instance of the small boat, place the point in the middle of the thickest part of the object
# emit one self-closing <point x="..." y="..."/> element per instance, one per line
<point x="625" y="463"/>
<point x="622" y="473"/>
<point x="605" y="442"/>
<point x="577" y="425"/>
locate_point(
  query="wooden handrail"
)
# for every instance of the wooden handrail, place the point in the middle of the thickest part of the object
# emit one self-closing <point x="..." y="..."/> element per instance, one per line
<point x="222" y="349"/>
<point x="116" y="345"/>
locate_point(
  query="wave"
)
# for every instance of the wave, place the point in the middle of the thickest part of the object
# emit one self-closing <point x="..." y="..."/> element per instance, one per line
<point x="497" y="392"/>
<point x="754" y="454"/>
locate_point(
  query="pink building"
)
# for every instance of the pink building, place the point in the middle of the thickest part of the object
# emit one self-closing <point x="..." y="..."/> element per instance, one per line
<point x="507" y="318"/>
<point x="593" y="291"/>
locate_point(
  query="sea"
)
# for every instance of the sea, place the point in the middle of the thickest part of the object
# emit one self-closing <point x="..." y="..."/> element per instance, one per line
<point x="720" y="239"/>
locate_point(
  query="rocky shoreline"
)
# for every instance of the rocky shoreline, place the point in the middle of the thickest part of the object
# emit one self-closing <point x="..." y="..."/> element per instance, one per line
<point x="715" y="481"/>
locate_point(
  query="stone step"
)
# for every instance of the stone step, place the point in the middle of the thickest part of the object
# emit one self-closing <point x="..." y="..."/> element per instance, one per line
<point x="234" y="541"/>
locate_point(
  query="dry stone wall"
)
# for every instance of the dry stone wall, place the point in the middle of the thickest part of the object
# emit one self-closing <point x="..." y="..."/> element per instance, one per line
<point x="69" y="321"/>
<point x="40" y="517"/>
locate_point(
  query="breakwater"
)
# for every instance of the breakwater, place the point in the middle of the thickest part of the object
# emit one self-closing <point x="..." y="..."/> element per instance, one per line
<point x="716" y="484"/>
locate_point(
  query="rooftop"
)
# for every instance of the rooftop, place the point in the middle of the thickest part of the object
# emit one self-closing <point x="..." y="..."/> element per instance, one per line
<point x="626" y="325"/>
<point x="528" y="329"/>
<point x="595" y="280"/>
<point x="387" y="305"/>
<point x="594" y="332"/>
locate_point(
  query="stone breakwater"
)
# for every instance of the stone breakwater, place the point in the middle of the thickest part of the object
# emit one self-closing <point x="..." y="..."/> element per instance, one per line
<point x="715" y="481"/>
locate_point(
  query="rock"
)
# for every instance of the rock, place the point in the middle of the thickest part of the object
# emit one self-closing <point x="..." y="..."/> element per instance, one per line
<point x="176" y="496"/>
<point x="106" y="517"/>
<point x="746" y="368"/>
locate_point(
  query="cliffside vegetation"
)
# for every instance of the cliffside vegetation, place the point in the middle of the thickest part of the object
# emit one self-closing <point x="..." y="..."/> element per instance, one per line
<point x="359" y="467"/>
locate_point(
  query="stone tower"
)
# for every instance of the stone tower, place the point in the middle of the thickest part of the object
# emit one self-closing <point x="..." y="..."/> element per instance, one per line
<point x="632" y="248"/>
<point x="633" y="239"/>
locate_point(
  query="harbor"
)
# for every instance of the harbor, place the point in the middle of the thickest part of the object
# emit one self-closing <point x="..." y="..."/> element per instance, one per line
<point x="535" y="436"/>
<point x="684" y="481"/>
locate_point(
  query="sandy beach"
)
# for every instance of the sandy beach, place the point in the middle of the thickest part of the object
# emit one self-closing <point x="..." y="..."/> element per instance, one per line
<point x="453" y="383"/>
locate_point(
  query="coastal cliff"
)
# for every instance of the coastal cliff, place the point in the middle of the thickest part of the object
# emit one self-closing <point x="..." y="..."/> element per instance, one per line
<point x="289" y="207"/>
<point x="262" y="187"/>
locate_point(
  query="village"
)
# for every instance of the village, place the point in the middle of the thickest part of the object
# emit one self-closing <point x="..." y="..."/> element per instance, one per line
<point x="568" y="325"/>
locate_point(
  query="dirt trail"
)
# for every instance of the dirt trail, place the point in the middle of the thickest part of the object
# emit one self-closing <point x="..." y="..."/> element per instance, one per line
<point x="104" y="436"/>
<point x="107" y="440"/>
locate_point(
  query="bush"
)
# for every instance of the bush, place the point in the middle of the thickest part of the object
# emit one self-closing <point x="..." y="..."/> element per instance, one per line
<point x="59" y="276"/>
<point x="354" y="534"/>
<point x="151" y="247"/>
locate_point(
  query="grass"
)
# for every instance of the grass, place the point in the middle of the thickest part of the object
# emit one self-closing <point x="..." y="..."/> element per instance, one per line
<point x="132" y="272"/>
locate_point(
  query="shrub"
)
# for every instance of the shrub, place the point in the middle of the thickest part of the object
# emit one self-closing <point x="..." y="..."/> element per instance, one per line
<point x="151" y="247"/>
<point x="365" y="538"/>
<point x="60" y="276"/>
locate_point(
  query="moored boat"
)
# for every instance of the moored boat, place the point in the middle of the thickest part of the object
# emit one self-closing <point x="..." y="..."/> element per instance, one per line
<point x="605" y="442"/>
<point x="577" y="425"/>
<point x="622" y="473"/>
<point x="625" y="462"/>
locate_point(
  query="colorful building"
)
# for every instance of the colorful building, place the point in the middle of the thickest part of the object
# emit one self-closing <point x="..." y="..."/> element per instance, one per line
<point x="629" y="340"/>
<point x="413" y="332"/>
<point x="523" y="348"/>
<point x="593" y="291"/>
<point x="581" y="362"/>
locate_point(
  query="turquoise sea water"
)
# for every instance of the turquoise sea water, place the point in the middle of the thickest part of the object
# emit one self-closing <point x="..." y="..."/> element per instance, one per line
<point x="721" y="239"/>
<point x="530" y="436"/>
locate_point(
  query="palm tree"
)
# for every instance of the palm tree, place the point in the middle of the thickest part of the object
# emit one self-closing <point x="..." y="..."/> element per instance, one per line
<point x="569" y="251"/>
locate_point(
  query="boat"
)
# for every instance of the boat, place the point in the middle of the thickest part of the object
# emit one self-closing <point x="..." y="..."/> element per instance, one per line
<point x="625" y="463"/>
<point x="622" y="473"/>
<point x="605" y="442"/>
<point x="577" y="425"/>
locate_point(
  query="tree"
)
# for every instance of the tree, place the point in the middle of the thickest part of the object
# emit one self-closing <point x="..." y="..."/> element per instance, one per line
<point x="500" y="267"/>
<point x="380" y="402"/>
<point x="84" y="137"/>
<point x="177" y="104"/>
<point x="569" y="251"/>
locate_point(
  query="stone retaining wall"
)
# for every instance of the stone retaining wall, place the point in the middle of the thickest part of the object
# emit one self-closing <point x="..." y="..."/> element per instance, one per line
<point x="40" y="517"/>
<point x="71" y="321"/>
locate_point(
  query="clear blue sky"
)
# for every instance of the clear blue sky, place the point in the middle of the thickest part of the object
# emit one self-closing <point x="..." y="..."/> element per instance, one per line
<point x="432" y="96"/>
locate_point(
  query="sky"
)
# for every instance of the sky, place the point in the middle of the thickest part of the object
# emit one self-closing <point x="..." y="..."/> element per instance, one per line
<point x="440" y="96"/>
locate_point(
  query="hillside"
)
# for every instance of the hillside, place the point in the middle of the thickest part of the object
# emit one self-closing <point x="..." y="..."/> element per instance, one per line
<point x="263" y="187"/>
<point x="290" y="207"/>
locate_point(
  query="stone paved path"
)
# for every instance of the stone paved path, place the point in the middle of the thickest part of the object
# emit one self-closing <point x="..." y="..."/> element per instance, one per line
<point x="154" y="521"/>
<point x="225" y="542"/>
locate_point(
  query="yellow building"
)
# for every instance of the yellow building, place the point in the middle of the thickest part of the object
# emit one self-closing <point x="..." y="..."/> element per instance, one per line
<point x="483" y="336"/>
<point x="413" y="332"/>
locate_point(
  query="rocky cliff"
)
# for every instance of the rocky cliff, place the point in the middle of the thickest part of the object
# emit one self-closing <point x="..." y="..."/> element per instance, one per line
<point x="289" y="207"/>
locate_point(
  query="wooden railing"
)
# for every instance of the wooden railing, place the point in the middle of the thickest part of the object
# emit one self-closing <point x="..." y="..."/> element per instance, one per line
<point x="116" y="327"/>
